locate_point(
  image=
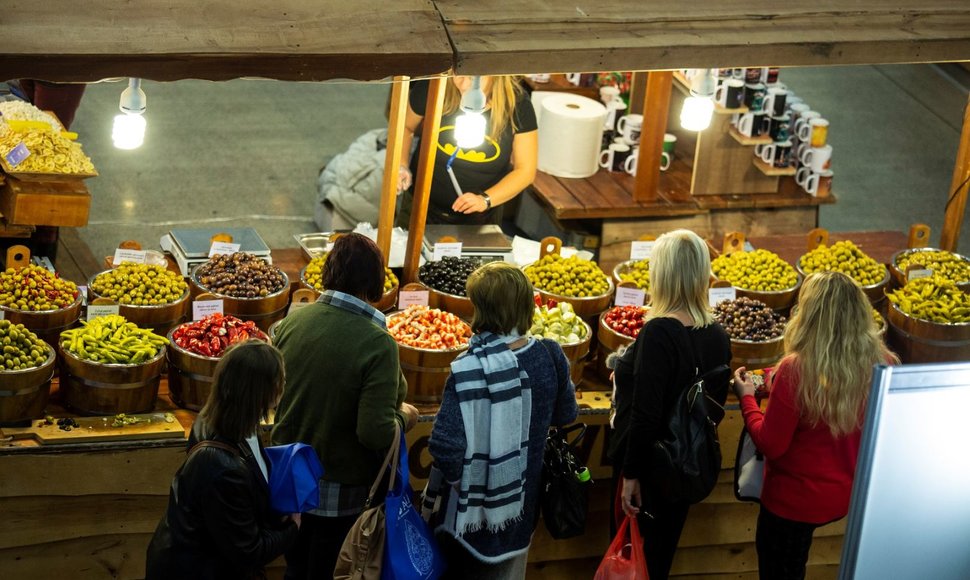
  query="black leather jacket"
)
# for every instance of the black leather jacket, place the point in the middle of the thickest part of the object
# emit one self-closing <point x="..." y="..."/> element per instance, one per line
<point x="219" y="523"/>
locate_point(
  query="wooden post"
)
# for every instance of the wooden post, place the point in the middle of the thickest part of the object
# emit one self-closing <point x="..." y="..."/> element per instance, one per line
<point x="422" y="181"/>
<point x="392" y="164"/>
<point x="656" y="105"/>
<point x="956" y="203"/>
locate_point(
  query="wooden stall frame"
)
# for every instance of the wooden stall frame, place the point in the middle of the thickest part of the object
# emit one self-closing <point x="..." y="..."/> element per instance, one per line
<point x="392" y="163"/>
<point x="656" y="104"/>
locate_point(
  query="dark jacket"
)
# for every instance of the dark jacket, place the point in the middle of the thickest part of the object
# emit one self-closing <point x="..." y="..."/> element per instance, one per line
<point x="219" y="523"/>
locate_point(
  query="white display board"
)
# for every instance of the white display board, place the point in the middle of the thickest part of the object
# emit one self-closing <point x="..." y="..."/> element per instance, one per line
<point x="910" y="510"/>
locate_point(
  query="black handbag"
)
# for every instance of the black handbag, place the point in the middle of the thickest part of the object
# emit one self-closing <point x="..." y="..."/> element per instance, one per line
<point x="565" y="484"/>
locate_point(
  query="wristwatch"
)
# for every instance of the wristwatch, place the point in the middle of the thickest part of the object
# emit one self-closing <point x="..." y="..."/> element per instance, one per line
<point x="488" y="200"/>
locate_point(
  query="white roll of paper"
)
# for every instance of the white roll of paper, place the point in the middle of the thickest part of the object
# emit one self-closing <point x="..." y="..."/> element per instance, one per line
<point x="570" y="135"/>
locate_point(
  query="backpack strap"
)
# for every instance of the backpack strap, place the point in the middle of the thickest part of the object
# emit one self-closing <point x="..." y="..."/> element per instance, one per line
<point x="213" y="444"/>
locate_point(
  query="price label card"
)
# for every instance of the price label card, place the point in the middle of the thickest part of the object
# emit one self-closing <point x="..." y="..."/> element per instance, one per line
<point x="83" y="292"/>
<point x="17" y="155"/>
<point x="222" y="248"/>
<point x="136" y="256"/>
<point x="407" y="298"/>
<point x="630" y="297"/>
<point x="98" y="310"/>
<point x="917" y="274"/>
<point x="442" y="249"/>
<point x="203" y="308"/>
<point x="715" y="295"/>
<point x="641" y="250"/>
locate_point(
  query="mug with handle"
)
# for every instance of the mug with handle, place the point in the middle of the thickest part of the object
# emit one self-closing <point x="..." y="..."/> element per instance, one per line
<point x="777" y="154"/>
<point x="630" y="165"/>
<point x="751" y="124"/>
<point x="802" y="176"/>
<point x="775" y="99"/>
<point x="613" y="157"/>
<point x="630" y="126"/>
<point x="818" y="131"/>
<point x="730" y="94"/>
<point x="817" y="159"/>
<point x="802" y="128"/>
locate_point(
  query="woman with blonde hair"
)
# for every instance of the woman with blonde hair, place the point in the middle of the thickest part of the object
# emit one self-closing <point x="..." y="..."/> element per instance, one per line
<point x="679" y="342"/>
<point x="487" y="175"/>
<point x="811" y="431"/>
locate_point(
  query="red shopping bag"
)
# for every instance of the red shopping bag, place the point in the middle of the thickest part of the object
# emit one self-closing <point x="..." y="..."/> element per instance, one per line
<point x="624" y="560"/>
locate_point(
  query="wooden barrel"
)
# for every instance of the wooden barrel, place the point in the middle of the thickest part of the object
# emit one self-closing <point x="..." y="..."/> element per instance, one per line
<point x="899" y="277"/>
<point x="426" y="371"/>
<point x="108" y="389"/>
<point x="387" y="302"/>
<point x="263" y="310"/>
<point x="189" y="376"/>
<point x="622" y="268"/>
<point x="779" y="301"/>
<point x="159" y="318"/>
<point x="46" y="324"/>
<point x="876" y="293"/>
<point x="921" y="341"/>
<point x="587" y="308"/>
<point x="609" y="341"/>
<point x="756" y="355"/>
<point x="460" y="306"/>
<point x="576" y="354"/>
<point x="24" y="393"/>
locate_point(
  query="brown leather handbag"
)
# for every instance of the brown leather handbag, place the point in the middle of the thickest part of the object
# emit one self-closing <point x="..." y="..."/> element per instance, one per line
<point x="363" y="550"/>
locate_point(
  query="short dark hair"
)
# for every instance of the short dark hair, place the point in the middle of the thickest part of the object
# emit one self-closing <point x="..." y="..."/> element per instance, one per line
<point x="503" y="299"/>
<point x="247" y="383"/>
<point x="355" y="266"/>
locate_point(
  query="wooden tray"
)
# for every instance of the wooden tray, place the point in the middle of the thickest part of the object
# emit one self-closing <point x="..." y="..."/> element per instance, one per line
<point x="91" y="429"/>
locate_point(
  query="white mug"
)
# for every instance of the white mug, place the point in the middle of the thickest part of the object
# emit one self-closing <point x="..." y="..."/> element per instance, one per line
<point x="609" y="93"/>
<point x="802" y="127"/>
<point x="614" y="110"/>
<point x="775" y="154"/>
<point x="751" y="124"/>
<point x="574" y="78"/>
<point x="730" y="93"/>
<point x="630" y="165"/>
<point x="630" y="126"/>
<point x="817" y="183"/>
<point x="817" y="159"/>
<point x="800" y="150"/>
<point x="543" y="78"/>
<point x="796" y="110"/>
<point x="614" y="157"/>
<point x="802" y="176"/>
<point x="775" y="100"/>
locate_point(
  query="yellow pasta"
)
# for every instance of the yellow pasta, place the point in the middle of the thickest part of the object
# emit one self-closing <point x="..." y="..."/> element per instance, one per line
<point x="49" y="152"/>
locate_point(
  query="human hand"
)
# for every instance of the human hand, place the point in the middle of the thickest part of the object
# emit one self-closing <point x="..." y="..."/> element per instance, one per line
<point x="742" y="383"/>
<point x="297" y="519"/>
<point x="410" y="416"/>
<point x="630" y="496"/>
<point x="469" y="203"/>
<point x="404" y="178"/>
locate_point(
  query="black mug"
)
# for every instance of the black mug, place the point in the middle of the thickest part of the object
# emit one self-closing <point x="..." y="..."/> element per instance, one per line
<point x="754" y="96"/>
<point x="779" y="127"/>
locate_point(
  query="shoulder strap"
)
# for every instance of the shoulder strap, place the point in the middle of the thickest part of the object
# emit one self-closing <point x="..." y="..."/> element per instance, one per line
<point x="392" y="457"/>
<point x="216" y="444"/>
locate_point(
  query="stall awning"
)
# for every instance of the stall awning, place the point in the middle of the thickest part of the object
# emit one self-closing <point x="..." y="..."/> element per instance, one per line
<point x="64" y="40"/>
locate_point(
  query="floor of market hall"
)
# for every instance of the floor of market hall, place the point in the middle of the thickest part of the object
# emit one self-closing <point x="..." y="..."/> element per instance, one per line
<point x="247" y="152"/>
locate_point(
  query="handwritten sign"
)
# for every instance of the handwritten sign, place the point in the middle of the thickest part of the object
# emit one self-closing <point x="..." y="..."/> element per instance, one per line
<point x="135" y="256"/>
<point x="917" y="274"/>
<point x="407" y="298"/>
<point x="203" y="308"/>
<point x="17" y="155"/>
<point x="222" y="249"/>
<point x="630" y="297"/>
<point x="99" y="310"/>
<point x="442" y="249"/>
<point x="641" y="250"/>
<point x="715" y="295"/>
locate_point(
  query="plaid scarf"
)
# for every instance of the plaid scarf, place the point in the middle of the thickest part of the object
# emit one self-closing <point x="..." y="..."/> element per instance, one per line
<point x="353" y="304"/>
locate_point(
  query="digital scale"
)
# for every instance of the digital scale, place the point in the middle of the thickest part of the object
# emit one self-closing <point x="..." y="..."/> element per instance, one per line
<point x="483" y="244"/>
<point x="191" y="247"/>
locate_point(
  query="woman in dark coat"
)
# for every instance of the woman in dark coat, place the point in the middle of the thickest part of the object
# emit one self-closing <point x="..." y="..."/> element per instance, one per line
<point x="219" y="523"/>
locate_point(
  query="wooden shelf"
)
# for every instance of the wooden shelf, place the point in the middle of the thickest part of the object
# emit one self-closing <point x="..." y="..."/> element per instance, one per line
<point x="749" y="141"/>
<point x="684" y="87"/>
<point x="771" y="170"/>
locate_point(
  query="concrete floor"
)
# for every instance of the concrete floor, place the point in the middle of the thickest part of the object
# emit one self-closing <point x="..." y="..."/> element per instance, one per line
<point x="247" y="152"/>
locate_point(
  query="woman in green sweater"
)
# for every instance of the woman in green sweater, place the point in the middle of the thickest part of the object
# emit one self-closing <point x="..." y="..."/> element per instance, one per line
<point x="344" y="394"/>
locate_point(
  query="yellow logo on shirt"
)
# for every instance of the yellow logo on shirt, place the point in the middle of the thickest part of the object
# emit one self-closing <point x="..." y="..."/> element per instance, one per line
<point x="485" y="153"/>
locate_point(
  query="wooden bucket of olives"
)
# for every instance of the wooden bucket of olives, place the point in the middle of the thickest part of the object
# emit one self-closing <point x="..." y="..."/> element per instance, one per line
<point x="871" y="275"/>
<point x="166" y="289"/>
<point x="950" y="265"/>
<point x="310" y="280"/>
<point x="576" y="353"/>
<point x="588" y="307"/>
<point x="425" y="369"/>
<point x="25" y="384"/>
<point x="579" y="282"/>
<point x="250" y="288"/>
<point x="108" y="389"/>
<point x="922" y="341"/>
<point x="635" y="271"/>
<point x="46" y="324"/>
<point x="445" y="281"/>
<point x="781" y="300"/>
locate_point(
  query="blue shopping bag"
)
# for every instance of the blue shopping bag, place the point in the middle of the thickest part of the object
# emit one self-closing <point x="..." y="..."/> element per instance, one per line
<point x="410" y="550"/>
<point x="294" y="478"/>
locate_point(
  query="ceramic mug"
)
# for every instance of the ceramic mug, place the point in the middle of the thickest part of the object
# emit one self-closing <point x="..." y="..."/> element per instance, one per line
<point x="630" y="165"/>
<point x="775" y="98"/>
<point x="630" y="126"/>
<point x="814" y="183"/>
<point x="754" y="96"/>
<point x="613" y="157"/>
<point x="614" y="111"/>
<point x="755" y="75"/>
<point x="776" y="154"/>
<point x="751" y="124"/>
<point x="802" y="130"/>
<point x="819" y="128"/>
<point x="574" y="78"/>
<point x="778" y="127"/>
<point x="609" y="93"/>
<point x="817" y="159"/>
<point x="543" y="78"/>
<point x="730" y="94"/>
<point x="670" y="143"/>
<point x="771" y="77"/>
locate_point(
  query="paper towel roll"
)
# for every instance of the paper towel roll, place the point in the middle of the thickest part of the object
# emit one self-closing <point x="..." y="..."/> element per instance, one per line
<point x="570" y="135"/>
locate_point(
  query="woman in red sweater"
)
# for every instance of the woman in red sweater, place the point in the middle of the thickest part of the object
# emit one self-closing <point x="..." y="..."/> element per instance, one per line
<point x="811" y="431"/>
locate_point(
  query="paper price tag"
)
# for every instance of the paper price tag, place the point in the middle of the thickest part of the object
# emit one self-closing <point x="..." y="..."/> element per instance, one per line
<point x="222" y="248"/>
<point x="641" y="250"/>
<point x="442" y="249"/>
<point x="407" y="298"/>
<point x="917" y="274"/>
<point x="630" y="297"/>
<point x="203" y="308"/>
<point x="99" y="310"/>
<point x="17" y="155"/>
<point x="136" y="256"/>
<point x="83" y="291"/>
<point x="715" y="295"/>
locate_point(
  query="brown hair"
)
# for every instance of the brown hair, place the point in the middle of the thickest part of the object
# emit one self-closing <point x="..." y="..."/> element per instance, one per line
<point x="501" y="94"/>
<point x="502" y="296"/>
<point x="355" y="266"/>
<point x="247" y="383"/>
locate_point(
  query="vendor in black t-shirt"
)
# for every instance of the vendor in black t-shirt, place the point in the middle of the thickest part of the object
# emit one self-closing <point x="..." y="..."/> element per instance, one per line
<point x="488" y="175"/>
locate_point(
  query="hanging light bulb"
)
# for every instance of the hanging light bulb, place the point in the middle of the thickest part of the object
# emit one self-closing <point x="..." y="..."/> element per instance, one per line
<point x="470" y="125"/>
<point x="128" y="131"/>
<point x="699" y="106"/>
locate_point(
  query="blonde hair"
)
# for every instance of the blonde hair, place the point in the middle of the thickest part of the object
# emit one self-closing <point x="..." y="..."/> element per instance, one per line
<point x="502" y="296"/>
<point x="833" y="341"/>
<point x="501" y="93"/>
<point x="680" y="272"/>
